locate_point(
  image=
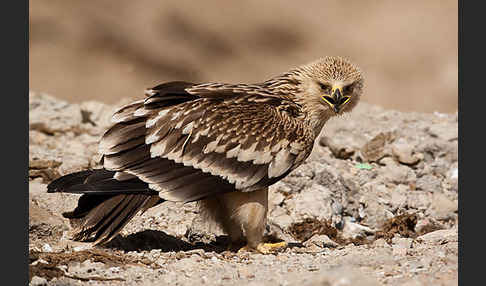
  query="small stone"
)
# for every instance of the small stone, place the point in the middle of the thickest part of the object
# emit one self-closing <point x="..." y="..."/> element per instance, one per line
<point x="275" y="198"/>
<point x="314" y="202"/>
<point x="381" y="242"/>
<point x="38" y="281"/>
<point x="402" y="242"/>
<point x="321" y="241"/>
<point x="40" y="260"/>
<point x="281" y="218"/>
<point x="81" y="248"/>
<point x="339" y="148"/>
<point x="387" y="161"/>
<point x="354" y="230"/>
<point x="276" y="227"/>
<point x="404" y="154"/>
<point x="442" y="208"/>
<point x="312" y="268"/>
<point x="443" y="131"/>
<point x="429" y="183"/>
<point x="427" y="225"/>
<point x="375" y="149"/>
<point x="440" y="236"/>
<point x="398" y="196"/>
<point x="397" y="174"/>
<point x="454" y="174"/>
<point x="46" y="247"/>
<point x="204" y="279"/>
<point x="399" y="251"/>
<point x="41" y="218"/>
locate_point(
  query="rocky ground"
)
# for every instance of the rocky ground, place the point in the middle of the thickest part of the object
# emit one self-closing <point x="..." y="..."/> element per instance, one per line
<point x="375" y="204"/>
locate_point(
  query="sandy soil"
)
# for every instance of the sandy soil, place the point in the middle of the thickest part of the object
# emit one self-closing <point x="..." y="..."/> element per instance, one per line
<point x="375" y="204"/>
<point x="109" y="50"/>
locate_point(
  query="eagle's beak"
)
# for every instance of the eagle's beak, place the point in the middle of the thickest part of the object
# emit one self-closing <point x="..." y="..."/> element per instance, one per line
<point x="336" y="100"/>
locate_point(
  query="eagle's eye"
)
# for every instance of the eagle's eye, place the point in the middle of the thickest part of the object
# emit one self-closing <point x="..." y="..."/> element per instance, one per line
<point x="325" y="87"/>
<point x="348" y="89"/>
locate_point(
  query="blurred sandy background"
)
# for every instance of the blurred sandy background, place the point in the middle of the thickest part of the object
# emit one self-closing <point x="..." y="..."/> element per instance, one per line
<point x="108" y="50"/>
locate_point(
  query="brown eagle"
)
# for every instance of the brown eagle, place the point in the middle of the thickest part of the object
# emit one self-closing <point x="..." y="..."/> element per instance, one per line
<point x="220" y="144"/>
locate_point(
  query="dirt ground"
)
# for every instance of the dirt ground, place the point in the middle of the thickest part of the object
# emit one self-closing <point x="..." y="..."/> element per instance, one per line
<point x="375" y="204"/>
<point x="104" y="51"/>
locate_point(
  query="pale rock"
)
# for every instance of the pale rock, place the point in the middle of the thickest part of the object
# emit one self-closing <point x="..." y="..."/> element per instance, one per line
<point x="404" y="153"/>
<point x="38" y="281"/>
<point x="442" y="207"/>
<point x="440" y="236"/>
<point x="321" y="241"/>
<point x="354" y="230"/>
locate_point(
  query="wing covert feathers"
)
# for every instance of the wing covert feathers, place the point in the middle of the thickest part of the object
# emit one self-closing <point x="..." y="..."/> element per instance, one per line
<point x="190" y="141"/>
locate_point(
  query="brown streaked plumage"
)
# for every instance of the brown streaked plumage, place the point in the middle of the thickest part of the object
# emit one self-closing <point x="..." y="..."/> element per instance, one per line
<point x="220" y="144"/>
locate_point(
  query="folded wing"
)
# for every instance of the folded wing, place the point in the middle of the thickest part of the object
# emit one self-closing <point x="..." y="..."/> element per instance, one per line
<point x="191" y="141"/>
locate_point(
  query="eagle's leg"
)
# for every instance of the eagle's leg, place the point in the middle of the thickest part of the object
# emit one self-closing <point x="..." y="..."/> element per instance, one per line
<point x="235" y="234"/>
<point x="252" y="216"/>
<point x="243" y="216"/>
<point x="248" y="216"/>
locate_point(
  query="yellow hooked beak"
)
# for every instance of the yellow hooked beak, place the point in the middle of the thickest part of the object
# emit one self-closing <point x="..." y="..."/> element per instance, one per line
<point x="336" y="100"/>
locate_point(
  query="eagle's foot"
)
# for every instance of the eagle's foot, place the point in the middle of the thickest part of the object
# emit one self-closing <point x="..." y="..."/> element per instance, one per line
<point x="264" y="248"/>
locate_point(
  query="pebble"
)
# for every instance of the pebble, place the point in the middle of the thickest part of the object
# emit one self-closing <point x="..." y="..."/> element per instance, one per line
<point x="427" y="224"/>
<point x="38" y="281"/>
<point x="429" y="183"/>
<point x="81" y="248"/>
<point x="397" y="174"/>
<point x="321" y="241"/>
<point x="381" y="242"/>
<point x="355" y="230"/>
<point x="340" y="147"/>
<point x="404" y="154"/>
<point x="315" y="202"/>
<point x="454" y="173"/>
<point x="46" y="247"/>
<point x="375" y="149"/>
<point x="442" y="207"/>
<point x="399" y="251"/>
<point x="402" y="242"/>
<point x="443" y="132"/>
<point x="440" y="236"/>
<point x="398" y="196"/>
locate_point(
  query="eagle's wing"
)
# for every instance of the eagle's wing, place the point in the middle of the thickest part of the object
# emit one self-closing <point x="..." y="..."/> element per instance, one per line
<point x="190" y="141"/>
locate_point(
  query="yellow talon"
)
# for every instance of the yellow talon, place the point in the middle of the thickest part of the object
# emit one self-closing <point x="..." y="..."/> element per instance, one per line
<point x="264" y="248"/>
<point x="267" y="248"/>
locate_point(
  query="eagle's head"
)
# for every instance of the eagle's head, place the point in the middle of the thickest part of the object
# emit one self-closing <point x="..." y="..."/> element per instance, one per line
<point x="327" y="87"/>
<point x="332" y="83"/>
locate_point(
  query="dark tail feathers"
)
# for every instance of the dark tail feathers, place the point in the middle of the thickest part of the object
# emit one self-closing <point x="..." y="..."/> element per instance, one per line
<point x="106" y="204"/>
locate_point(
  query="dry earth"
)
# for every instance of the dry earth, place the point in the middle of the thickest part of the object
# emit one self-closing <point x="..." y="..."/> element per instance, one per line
<point x="375" y="204"/>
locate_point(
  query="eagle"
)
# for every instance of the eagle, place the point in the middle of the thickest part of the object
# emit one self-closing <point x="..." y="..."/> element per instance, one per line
<point x="219" y="144"/>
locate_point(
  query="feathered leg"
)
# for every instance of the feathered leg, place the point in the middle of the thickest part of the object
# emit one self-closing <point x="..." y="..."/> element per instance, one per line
<point x="243" y="216"/>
